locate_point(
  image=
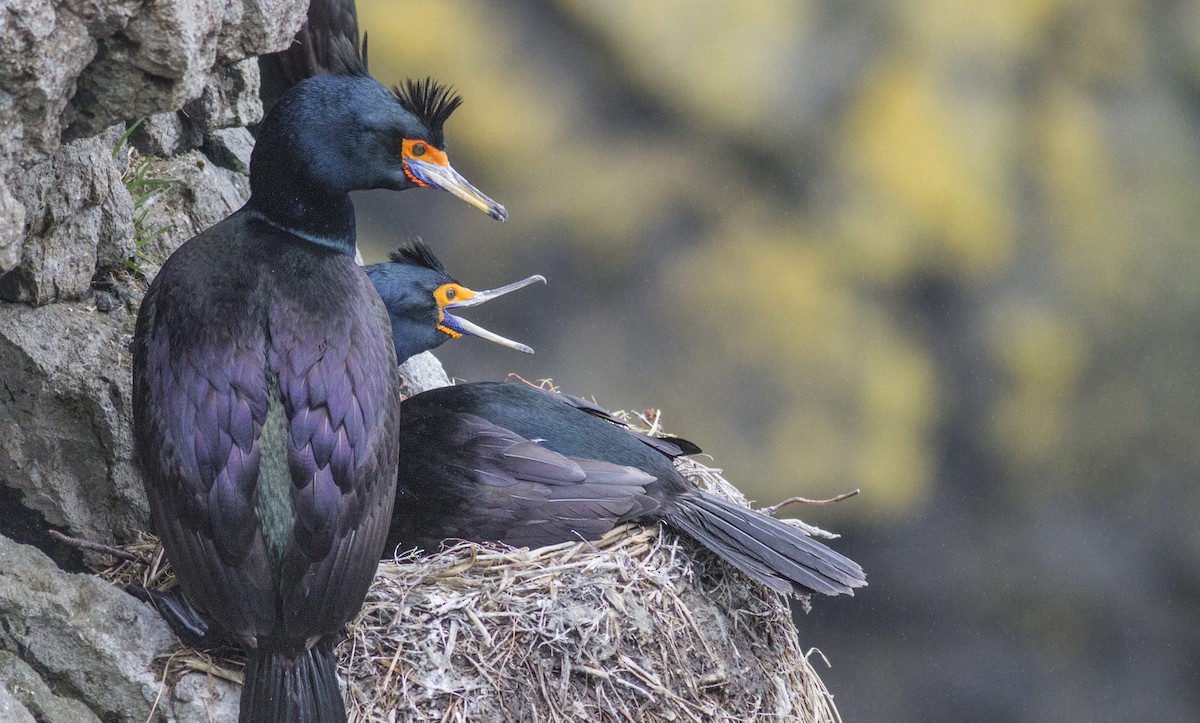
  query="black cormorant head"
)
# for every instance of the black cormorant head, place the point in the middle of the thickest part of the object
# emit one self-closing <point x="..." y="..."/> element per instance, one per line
<point x="343" y="131"/>
<point x="420" y="296"/>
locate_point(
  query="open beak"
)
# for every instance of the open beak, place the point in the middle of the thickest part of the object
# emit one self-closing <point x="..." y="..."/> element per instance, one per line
<point x="462" y="326"/>
<point x="441" y="176"/>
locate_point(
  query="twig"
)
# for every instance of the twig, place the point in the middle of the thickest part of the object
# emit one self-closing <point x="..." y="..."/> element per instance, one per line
<point x="546" y="385"/>
<point x="805" y="501"/>
<point x="95" y="547"/>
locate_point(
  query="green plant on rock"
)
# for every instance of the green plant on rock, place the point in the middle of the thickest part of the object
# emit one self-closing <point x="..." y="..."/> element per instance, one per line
<point x="145" y="188"/>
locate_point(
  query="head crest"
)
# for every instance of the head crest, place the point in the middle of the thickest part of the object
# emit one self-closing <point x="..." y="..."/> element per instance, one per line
<point x="418" y="253"/>
<point x="431" y="102"/>
<point x="347" y="59"/>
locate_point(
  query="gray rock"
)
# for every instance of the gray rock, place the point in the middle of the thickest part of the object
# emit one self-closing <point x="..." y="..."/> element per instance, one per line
<point x="160" y="60"/>
<point x="12" y="230"/>
<point x="230" y="148"/>
<point x="258" y="27"/>
<point x="230" y="100"/>
<point x="43" y="49"/>
<point x="65" y="439"/>
<point x="12" y="710"/>
<point x="166" y="134"/>
<point x="201" y="698"/>
<point x="70" y="69"/>
<point x="202" y="194"/>
<point x="422" y="373"/>
<point x="87" y="640"/>
<point x="79" y="218"/>
<point x="34" y="696"/>
<point x="164" y="57"/>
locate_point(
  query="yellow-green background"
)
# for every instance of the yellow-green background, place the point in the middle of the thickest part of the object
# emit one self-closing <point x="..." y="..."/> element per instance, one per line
<point x="944" y="252"/>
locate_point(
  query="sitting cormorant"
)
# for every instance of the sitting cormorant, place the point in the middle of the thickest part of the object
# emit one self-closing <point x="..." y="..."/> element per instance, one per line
<point x="497" y="462"/>
<point x="265" y="385"/>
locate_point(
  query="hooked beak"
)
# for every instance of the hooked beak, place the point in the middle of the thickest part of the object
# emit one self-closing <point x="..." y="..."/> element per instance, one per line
<point x="462" y="326"/>
<point x="447" y="179"/>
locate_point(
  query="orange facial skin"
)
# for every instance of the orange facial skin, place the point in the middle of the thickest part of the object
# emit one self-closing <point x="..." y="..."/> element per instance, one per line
<point x="449" y="294"/>
<point x="423" y="151"/>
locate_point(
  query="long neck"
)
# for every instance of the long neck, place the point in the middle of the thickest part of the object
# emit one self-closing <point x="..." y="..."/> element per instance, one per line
<point x="407" y="343"/>
<point x="285" y="192"/>
<point x="325" y="220"/>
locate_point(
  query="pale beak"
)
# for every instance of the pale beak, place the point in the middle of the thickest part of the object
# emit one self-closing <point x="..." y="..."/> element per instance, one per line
<point x="465" y="327"/>
<point x="447" y="179"/>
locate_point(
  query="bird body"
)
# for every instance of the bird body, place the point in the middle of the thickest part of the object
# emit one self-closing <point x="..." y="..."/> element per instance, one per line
<point x="251" y="384"/>
<point x="265" y="387"/>
<point x="264" y="374"/>
<point x="507" y="462"/>
<point x="511" y="463"/>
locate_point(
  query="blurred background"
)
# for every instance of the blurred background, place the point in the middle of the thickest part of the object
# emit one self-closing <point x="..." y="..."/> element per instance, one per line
<point x="942" y="252"/>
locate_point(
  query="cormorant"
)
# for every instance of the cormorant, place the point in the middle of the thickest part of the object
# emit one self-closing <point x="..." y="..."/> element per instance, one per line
<point x="512" y="463"/>
<point x="507" y="462"/>
<point x="265" y="385"/>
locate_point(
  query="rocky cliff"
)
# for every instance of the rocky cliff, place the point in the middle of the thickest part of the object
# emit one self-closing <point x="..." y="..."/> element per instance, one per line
<point x="85" y="212"/>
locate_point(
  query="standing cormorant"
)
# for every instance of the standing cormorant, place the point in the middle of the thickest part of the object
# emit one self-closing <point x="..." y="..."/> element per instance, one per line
<point x="507" y="462"/>
<point x="265" y="385"/>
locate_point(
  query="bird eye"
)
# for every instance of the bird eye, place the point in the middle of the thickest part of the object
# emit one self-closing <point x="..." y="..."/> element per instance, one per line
<point x="418" y="149"/>
<point x="450" y="294"/>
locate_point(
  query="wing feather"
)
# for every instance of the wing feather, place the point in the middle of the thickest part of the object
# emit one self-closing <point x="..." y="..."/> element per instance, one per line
<point x="467" y="478"/>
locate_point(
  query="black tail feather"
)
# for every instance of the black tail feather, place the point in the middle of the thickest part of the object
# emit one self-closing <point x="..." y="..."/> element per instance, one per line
<point x="295" y="688"/>
<point x="772" y="552"/>
<point x="189" y="624"/>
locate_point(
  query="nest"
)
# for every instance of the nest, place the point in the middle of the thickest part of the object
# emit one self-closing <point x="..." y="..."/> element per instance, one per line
<point x="641" y="625"/>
